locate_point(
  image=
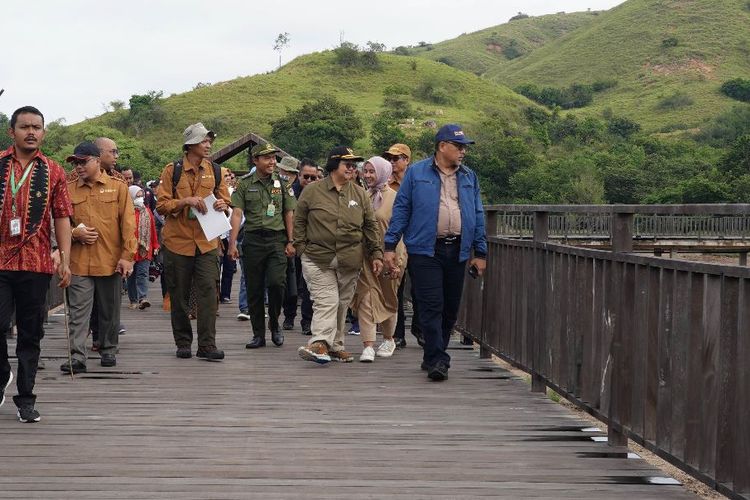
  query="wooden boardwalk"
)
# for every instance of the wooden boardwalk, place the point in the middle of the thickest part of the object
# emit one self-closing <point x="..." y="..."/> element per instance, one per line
<point x="265" y="424"/>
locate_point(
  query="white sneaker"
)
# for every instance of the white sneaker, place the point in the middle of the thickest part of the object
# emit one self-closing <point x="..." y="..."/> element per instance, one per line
<point x="10" y="379"/>
<point x="368" y="355"/>
<point x="353" y="332"/>
<point x="386" y="349"/>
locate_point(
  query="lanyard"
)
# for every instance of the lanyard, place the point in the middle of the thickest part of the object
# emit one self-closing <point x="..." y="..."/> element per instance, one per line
<point x="14" y="188"/>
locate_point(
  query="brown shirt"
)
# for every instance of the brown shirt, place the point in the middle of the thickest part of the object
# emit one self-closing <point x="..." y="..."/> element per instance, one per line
<point x="449" y="214"/>
<point x="329" y="224"/>
<point x="106" y="206"/>
<point x="182" y="234"/>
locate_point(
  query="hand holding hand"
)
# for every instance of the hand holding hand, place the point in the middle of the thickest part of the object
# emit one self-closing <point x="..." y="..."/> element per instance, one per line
<point x="289" y="250"/>
<point x="377" y="267"/>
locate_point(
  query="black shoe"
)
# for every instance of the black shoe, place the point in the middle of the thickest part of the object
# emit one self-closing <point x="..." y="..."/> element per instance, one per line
<point x="424" y="366"/>
<point x="466" y="340"/>
<point x="184" y="352"/>
<point x="108" y="360"/>
<point x="305" y="328"/>
<point x="438" y="373"/>
<point x="419" y="337"/>
<point x="76" y="367"/>
<point x="400" y="342"/>
<point x="288" y="324"/>
<point x="28" y="415"/>
<point x="277" y="338"/>
<point x="210" y="353"/>
<point x="256" y="342"/>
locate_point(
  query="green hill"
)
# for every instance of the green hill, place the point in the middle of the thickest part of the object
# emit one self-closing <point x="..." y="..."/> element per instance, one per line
<point x="669" y="58"/>
<point x="242" y="105"/>
<point x="497" y="46"/>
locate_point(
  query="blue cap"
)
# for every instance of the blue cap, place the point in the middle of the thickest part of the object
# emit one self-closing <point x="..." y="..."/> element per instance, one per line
<point x="452" y="133"/>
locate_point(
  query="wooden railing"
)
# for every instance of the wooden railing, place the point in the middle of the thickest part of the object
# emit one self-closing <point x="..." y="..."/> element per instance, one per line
<point x="658" y="349"/>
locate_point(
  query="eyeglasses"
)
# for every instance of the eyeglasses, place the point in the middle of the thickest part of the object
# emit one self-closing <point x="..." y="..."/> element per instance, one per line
<point x="458" y="145"/>
<point x="310" y="177"/>
<point x="76" y="162"/>
<point x="397" y="158"/>
<point x="350" y="165"/>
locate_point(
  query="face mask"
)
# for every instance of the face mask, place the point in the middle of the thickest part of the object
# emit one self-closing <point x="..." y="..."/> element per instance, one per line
<point x="138" y="202"/>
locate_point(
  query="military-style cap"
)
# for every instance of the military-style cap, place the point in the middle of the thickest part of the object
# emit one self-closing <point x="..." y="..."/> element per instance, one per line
<point x="264" y="148"/>
<point x="289" y="164"/>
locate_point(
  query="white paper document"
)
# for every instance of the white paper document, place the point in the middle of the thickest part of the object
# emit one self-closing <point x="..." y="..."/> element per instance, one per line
<point x="213" y="222"/>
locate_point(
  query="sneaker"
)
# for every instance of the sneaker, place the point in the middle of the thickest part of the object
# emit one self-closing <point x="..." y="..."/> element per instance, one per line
<point x="368" y="355"/>
<point x="184" y="352"/>
<point x="316" y="352"/>
<point x="386" y="349"/>
<point x="143" y="304"/>
<point x="226" y="300"/>
<point x="2" y="391"/>
<point x="210" y="353"/>
<point x="122" y="330"/>
<point x="28" y="415"/>
<point x="400" y="342"/>
<point x="341" y="356"/>
<point x="243" y="316"/>
<point x="108" y="360"/>
<point x="132" y="305"/>
<point x="439" y="372"/>
<point x="288" y="324"/>
<point x="353" y="331"/>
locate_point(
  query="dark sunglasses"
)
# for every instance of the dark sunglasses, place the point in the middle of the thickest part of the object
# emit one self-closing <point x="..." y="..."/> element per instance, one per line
<point x="458" y="145"/>
<point x="309" y="177"/>
<point x="350" y="165"/>
<point x="77" y="162"/>
<point x="397" y="158"/>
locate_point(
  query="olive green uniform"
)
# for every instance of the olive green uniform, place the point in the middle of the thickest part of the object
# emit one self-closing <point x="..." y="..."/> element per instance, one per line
<point x="264" y="202"/>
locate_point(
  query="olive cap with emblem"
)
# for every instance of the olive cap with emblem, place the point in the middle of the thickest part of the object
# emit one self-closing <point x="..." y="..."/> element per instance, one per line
<point x="83" y="151"/>
<point x="196" y="133"/>
<point x="289" y="164"/>
<point x="338" y="154"/>
<point x="264" y="148"/>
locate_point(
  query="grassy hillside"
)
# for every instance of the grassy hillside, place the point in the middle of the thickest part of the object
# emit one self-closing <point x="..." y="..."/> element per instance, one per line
<point x="239" y="106"/>
<point x="669" y="58"/>
<point x="497" y="46"/>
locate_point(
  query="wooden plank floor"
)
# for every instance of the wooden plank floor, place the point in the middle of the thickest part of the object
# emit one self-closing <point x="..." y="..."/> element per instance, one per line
<point x="265" y="424"/>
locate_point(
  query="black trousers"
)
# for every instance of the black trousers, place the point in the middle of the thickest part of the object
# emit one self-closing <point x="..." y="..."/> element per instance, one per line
<point x="28" y="291"/>
<point x="228" y="268"/>
<point x="400" y="332"/>
<point x="303" y="294"/>
<point x="438" y="282"/>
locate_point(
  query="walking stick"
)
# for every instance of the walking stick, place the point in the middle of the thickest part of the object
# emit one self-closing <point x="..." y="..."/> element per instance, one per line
<point x="65" y="316"/>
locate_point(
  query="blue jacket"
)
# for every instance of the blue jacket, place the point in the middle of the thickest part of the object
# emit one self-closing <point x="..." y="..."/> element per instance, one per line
<point x="415" y="211"/>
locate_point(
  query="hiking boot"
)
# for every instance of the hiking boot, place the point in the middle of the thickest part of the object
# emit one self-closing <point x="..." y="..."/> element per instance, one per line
<point x="386" y="349"/>
<point x="184" y="352"/>
<point x="316" y="352"/>
<point x="76" y="367"/>
<point x="27" y="414"/>
<point x="288" y="324"/>
<point x="210" y="353"/>
<point x="439" y="372"/>
<point x="341" y="356"/>
<point x="4" y="388"/>
<point x="108" y="360"/>
<point x="305" y="328"/>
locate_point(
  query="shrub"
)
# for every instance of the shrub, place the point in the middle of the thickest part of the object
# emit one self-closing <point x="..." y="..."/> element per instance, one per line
<point x="512" y="50"/>
<point x="738" y="89"/>
<point x="434" y="91"/>
<point x="350" y="55"/>
<point x="602" y="85"/>
<point x="669" y="42"/>
<point x="675" y="101"/>
<point x="385" y="132"/>
<point x="518" y="16"/>
<point x="401" y="51"/>
<point x="623" y="127"/>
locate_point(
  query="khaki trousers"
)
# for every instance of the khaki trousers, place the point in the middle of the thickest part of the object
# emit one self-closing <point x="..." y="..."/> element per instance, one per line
<point x="367" y="327"/>
<point x="331" y="290"/>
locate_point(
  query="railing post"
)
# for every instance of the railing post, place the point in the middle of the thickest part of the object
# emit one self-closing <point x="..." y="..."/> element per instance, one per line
<point x="743" y="259"/>
<point x="622" y="242"/>
<point x="491" y="222"/>
<point x="541" y="234"/>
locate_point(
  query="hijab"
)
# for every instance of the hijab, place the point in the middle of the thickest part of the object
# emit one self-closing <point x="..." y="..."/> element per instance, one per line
<point x="383" y="170"/>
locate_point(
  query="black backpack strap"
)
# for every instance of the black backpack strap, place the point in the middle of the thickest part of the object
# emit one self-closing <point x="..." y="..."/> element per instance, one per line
<point x="176" y="174"/>
<point x="217" y="175"/>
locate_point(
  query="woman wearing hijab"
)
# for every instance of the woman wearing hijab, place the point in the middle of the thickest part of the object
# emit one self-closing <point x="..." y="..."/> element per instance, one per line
<point x="376" y="298"/>
<point x="148" y="245"/>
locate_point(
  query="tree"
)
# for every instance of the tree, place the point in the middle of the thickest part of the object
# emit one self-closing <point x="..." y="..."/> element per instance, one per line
<point x="146" y="111"/>
<point x="5" y="140"/>
<point x="385" y="132"/>
<point x="281" y="42"/>
<point x="315" y="128"/>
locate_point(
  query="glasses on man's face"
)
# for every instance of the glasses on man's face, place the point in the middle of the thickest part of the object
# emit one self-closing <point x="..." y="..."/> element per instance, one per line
<point x="394" y="159"/>
<point x="113" y="151"/>
<point x="458" y="145"/>
<point x="350" y="165"/>
<point x="310" y="177"/>
<point x="76" y="162"/>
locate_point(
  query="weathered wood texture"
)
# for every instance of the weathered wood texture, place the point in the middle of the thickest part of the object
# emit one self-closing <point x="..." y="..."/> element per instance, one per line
<point x="265" y="424"/>
<point x="656" y="348"/>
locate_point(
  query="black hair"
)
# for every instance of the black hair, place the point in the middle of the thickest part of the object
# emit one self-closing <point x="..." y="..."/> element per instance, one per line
<point x="332" y="164"/>
<point x="307" y="162"/>
<point x="185" y="148"/>
<point x="136" y="175"/>
<point x="25" y="109"/>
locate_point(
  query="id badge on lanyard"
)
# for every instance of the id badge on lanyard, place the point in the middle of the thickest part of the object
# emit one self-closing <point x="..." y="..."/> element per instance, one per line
<point x="15" y="226"/>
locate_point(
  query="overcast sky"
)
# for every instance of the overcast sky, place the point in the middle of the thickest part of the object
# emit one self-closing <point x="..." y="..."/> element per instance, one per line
<point x="70" y="58"/>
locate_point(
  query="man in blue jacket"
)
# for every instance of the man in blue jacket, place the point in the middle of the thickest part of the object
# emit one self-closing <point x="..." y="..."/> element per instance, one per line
<point x="439" y="212"/>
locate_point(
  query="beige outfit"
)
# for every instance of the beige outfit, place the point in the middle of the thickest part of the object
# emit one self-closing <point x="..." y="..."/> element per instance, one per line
<point x="449" y="214"/>
<point x="376" y="298"/>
